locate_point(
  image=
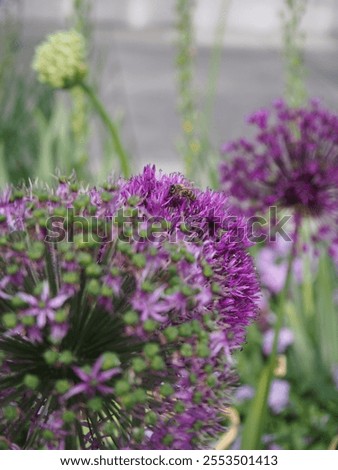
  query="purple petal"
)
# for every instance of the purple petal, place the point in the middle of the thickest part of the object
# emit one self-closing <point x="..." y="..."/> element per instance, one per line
<point x="45" y="291"/>
<point x="97" y="367"/>
<point x="59" y="331"/>
<point x="104" y="389"/>
<point x="81" y="374"/>
<point x="108" y="374"/>
<point x="41" y="319"/>
<point x="5" y="296"/>
<point x="58" y="301"/>
<point x="79" y="388"/>
<point x="29" y="299"/>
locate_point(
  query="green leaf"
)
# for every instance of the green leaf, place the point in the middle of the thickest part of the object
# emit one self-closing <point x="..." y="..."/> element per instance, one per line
<point x="4" y="179"/>
<point x="254" y="424"/>
<point x="327" y="315"/>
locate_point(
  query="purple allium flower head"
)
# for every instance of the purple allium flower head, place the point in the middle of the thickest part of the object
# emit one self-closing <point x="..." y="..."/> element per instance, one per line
<point x="279" y="395"/>
<point x="120" y="308"/>
<point x="292" y="164"/>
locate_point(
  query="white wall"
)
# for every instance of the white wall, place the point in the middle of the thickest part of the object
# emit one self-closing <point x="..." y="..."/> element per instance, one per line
<point x="45" y="9"/>
<point x="245" y="17"/>
<point x="260" y="20"/>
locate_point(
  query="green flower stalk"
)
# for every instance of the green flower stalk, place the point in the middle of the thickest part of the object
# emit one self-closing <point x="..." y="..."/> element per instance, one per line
<point x="196" y="109"/>
<point x="81" y="17"/>
<point x="60" y="62"/>
<point x="191" y="143"/>
<point x="80" y="115"/>
<point x="293" y="43"/>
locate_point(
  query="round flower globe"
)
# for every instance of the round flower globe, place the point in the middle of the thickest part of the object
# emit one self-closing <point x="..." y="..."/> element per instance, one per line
<point x="120" y="307"/>
<point x="60" y="61"/>
<point x="290" y="164"/>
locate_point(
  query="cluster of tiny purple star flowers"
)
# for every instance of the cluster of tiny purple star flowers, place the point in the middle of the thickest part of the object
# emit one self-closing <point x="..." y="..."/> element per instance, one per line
<point x="291" y="163"/>
<point x="123" y="343"/>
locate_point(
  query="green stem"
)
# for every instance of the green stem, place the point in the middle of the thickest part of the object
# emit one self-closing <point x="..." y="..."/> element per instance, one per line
<point x="187" y="106"/>
<point x="119" y="149"/>
<point x="293" y="39"/>
<point x="214" y="68"/>
<point x="282" y="300"/>
<point x="211" y="164"/>
<point x="4" y="177"/>
<point x="254" y="424"/>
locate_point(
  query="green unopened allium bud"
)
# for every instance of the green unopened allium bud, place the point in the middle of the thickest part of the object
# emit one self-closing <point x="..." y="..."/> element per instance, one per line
<point x="10" y="412"/>
<point x="50" y="357"/>
<point x="60" y="61"/>
<point x="95" y="404"/>
<point x="31" y="381"/>
<point x="62" y="386"/>
<point x="68" y="416"/>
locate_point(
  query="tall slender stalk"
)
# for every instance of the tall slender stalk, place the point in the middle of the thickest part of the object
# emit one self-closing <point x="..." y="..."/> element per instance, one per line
<point x="81" y="17"/>
<point x="113" y="130"/>
<point x="4" y="177"/>
<point x="9" y="39"/>
<point x="191" y="145"/>
<point x="80" y="110"/>
<point x="255" y="421"/>
<point x="210" y="164"/>
<point x="199" y="156"/>
<point x="82" y="10"/>
<point x="293" y="39"/>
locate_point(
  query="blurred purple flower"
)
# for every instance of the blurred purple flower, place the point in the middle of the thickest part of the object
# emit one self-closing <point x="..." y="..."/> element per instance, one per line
<point x="279" y="395"/>
<point x="285" y="339"/>
<point x="268" y="439"/>
<point x="244" y="392"/>
<point x="272" y="275"/>
<point x="335" y="296"/>
<point x="272" y="265"/>
<point x="291" y="164"/>
<point x="274" y="446"/>
<point x="236" y="445"/>
<point x="335" y="375"/>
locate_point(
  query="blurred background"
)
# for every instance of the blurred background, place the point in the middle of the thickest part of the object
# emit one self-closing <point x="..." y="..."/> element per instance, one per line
<point x="133" y="46"/>
<point x="178" y="78"/>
